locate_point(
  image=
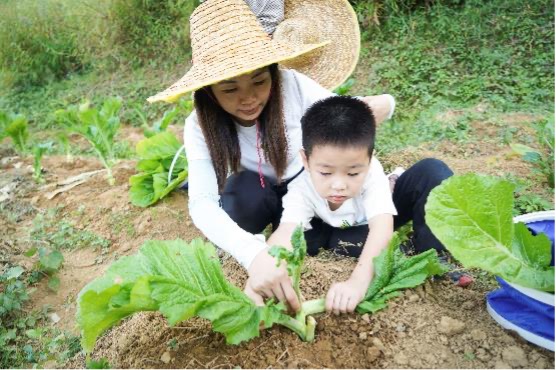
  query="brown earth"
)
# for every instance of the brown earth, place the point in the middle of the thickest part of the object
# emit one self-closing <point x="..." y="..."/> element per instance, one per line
<point x="437" y="325"/>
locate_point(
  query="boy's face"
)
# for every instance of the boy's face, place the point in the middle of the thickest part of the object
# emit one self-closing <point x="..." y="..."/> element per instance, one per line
<point x="337" y="173"/>
<point x="244" y="97"/>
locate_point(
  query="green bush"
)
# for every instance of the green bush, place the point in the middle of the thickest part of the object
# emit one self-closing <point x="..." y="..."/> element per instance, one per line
<point x="46" y="40"/>
<point x="151" y="29"/>
<point x="38" y="42"/>
<point x="373" y="12"/>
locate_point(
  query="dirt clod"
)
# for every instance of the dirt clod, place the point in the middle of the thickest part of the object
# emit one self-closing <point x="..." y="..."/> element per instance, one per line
<point x="373" y="353"/>
<point x="478" y="335"/>
<point x="413" y="298"/>
<point x="401" y="359"/>
<point x="515" y="356"/>
<point x="450" y="326"/>
<point x="378" y="344"/>
<point x="166" y="357"/>
<point x="499" y="364"/>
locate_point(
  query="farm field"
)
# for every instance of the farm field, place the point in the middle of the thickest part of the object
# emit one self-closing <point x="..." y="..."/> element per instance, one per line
<point x="437" y="325"/>
<point x="473" y="83"/>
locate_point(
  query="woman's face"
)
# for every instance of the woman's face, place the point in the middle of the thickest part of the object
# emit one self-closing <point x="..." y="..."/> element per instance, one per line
<point x="244" y="97"/>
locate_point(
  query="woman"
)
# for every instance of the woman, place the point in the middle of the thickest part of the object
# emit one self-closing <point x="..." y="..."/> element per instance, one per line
<point x="243" y="139"/>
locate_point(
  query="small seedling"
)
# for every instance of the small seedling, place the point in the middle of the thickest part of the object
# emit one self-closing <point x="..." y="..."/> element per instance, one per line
<point x="99" y="127"/>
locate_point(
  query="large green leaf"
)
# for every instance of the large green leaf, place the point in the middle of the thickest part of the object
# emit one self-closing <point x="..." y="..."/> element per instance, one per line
<point x="96" y="313"/>
<point x="141" y="191"/>
<point x="394" y="272"/>
<point x="148" y="188"/>
<point x="151" y="183"/>
<point x="163" y="145"/>
<point x="472" y="216"/>
<point x="179" y="279"/>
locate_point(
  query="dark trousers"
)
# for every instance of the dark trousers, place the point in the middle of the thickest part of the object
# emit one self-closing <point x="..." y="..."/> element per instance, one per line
<point x="253" y="208"/>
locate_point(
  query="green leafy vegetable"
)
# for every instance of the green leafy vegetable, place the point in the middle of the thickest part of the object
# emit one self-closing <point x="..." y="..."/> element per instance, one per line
<point x="16" y="127"/>
<point x="151" y="183"/>
<point x="99" y="127"/>
<point x="179" y="279"/>
<point x="38" y="152"/>
<point x="64" y="142"/>
<point x="182" y="280"/>
<point x="182" y="108"/>
<point x="472" y="216"/>
<point x="294" y="258"/>
<point x="394" y="272"/>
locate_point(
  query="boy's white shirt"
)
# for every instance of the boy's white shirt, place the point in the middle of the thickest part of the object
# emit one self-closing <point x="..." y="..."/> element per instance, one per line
<point x="299" y="93"/>
<point x="302" y="202"/>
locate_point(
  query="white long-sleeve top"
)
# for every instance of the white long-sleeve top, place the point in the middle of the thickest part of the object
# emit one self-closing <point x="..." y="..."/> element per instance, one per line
<point x="299" y="93"/>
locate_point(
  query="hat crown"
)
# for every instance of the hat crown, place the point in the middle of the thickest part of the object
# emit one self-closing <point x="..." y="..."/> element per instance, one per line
<point x="223" y="28"/>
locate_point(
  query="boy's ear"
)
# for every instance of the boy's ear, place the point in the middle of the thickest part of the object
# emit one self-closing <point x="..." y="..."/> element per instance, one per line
<point x="304" y="159"/>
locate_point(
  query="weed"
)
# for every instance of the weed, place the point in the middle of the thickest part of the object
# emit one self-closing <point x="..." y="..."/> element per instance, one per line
<point x="543" y="160"/>
<point x="121" y="222"/>
<point x="98" y="364"/>
<point x="23" y="341"/>
<point x="38" y="41"/>
<point x="527" y="203"/>
<point x="469" y="356"/>
<point x="344" y="88"/>
<point x="15" y="210"/>
<point x="14" y="293"/>
<point x="49" y="263"/>
<point x="173" y="344"/>
<point x="62" y="234"/>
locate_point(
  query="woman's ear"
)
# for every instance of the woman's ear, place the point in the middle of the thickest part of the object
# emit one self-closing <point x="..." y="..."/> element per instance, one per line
<point x="304" y="159"/>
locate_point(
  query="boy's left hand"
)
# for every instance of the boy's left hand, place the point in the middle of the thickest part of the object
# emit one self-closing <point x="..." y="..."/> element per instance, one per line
<point x="345" y="296"/>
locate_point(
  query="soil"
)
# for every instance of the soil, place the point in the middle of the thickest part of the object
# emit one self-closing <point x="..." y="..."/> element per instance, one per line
<point x="437" y="325"/>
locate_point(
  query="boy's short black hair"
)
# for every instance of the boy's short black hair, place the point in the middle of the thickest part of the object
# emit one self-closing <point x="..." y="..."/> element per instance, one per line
<point x="341" y="121"/>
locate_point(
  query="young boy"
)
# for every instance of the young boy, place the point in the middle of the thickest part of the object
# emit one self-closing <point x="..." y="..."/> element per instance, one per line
<point x="343" y="198"/>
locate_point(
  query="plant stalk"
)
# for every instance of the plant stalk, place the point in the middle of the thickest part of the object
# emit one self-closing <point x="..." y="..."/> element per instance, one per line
<point x="313" y="306"/>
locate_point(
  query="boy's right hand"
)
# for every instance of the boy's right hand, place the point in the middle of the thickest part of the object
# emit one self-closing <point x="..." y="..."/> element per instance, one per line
<point x="268" y="281"/>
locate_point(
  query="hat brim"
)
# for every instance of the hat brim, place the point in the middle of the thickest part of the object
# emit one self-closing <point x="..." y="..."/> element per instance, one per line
<point x="333" y="20"/>
<point x="194" y="79"/>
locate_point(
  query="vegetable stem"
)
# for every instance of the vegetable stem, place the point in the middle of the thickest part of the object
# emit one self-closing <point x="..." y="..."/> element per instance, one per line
<point x="294" y="325"/>
<point x="313" y="306"/>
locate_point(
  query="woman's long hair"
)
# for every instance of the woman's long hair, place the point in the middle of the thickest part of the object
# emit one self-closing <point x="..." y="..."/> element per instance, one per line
<point x="221" y="137"/>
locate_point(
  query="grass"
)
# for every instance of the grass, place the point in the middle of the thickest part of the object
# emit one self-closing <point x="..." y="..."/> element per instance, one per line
<point x="26" y="338"/>
<point x="63" y="234"/>
<point x="498" y="53"/>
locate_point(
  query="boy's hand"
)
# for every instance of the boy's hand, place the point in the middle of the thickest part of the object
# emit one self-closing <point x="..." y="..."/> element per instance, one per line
<point x="345" y="296"/>
<point x="267" y="281"/>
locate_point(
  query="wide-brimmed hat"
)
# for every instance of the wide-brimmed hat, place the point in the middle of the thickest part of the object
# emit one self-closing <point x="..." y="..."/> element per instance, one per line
<point x="308" y="21"/>
<point x="228" y="41"/>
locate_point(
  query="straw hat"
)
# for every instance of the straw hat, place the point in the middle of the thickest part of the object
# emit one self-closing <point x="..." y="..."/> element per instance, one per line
<point x="309" y="21"/>
<point x="228" y="41"/>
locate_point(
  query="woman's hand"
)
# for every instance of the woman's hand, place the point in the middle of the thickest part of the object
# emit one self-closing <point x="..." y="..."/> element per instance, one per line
<point x="268" y="281"/>
<point x="381" y="106"/>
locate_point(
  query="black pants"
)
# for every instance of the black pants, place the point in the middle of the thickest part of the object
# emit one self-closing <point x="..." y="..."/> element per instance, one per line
<point x="253" y="208"/>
